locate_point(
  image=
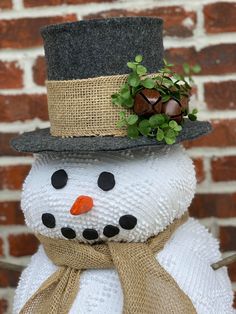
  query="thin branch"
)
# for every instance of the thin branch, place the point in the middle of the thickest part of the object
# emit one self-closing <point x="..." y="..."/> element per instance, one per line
<point x="224" y="262"/>
<point x="11" y="266"/>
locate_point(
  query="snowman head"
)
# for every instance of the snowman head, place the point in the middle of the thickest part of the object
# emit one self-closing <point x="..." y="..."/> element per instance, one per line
<point x="108" y="196"/>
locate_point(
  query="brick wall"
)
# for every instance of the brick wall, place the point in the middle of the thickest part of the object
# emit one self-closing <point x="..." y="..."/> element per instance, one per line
<point x="200" y="31"/>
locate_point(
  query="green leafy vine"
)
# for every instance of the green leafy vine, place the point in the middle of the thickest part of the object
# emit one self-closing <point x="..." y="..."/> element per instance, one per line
<point x="170" y="85"/>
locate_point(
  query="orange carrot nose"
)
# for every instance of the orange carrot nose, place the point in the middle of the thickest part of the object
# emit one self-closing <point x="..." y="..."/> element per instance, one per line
<point x="82" y="205"/>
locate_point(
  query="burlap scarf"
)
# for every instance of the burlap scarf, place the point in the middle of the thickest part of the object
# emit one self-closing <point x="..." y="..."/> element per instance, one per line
<point x="147" y="287"/>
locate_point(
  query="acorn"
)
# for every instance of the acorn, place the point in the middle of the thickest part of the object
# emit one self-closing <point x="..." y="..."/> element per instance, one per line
<point x="147" y="102"/>
<point x="173" y="109"/>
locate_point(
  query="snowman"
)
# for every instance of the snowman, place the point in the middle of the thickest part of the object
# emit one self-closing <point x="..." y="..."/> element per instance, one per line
<point x="111" y="212"/>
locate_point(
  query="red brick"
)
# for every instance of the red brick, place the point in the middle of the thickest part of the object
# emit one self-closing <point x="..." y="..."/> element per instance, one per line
<point x="227" y="238"/>
<point x="39" y="71"/>
<point x="224" y="168"/>
<point x="11" y="76"/>
<point x="87" y="1"/>
<point x="213" y="205"/>
<point x="221" y="95"/>
<point x="220" y="17"/>
<point x="199" y="168"/>
<point x="23" y="107"/>
<point x="232" y="271"/>
<point x="177" y="21"/>
<point x="1" y="247"/>
<point x="12" y="177"/>
<point x="8" y="278"/>
<point x="3" y="306"/>
<point x="11" y="214"/>
<point x="223" y="134"/>
<point x="214" y="59"/>
<point x="5" y="4"/>
<point x="38" y="3"/>
<point x="22" y="244"/>
<point x="24" y="32"/>
<point x="5" y="148"/>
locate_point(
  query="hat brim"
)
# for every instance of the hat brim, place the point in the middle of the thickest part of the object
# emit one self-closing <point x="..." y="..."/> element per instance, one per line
<point x="42" y="141"/>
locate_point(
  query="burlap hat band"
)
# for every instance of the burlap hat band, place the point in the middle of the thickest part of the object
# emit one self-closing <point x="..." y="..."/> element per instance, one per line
<point x="84" y="107"/>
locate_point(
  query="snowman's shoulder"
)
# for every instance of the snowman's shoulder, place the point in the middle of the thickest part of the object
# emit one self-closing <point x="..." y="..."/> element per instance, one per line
<point x="38" y="270"/>
<point x="187" y="257"/>
<point x="196" y="238"/>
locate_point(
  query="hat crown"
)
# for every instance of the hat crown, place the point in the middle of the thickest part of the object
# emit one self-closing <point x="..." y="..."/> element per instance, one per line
<point x="87" y="64"/>
<point x="101" y="47"/>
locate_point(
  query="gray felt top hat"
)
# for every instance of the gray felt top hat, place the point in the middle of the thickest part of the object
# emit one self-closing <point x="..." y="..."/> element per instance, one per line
<point x="86" y="64"/>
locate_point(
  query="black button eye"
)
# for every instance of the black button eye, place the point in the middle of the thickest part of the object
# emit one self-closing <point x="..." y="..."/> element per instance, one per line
<point x="106" y="181"/>
<point x="59" y="179"/>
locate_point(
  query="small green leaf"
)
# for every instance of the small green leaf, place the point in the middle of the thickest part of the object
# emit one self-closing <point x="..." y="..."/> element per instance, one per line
<point x="178" y="128"/>
<point x="141" y="70"/>
<point x="121" y="123"/>
<point x="186" y="68"/>
<point x="173" y="124"/>
<point x="116" y="99"/>
<point x="132" y="131"/>
<point x="125" y="95"/>
<point x="160" y="135"/>
<point x="157" y="78"/>
<point x="124" y="88"/>
<point x="192" y="117"/>
<point x="156" y="120"/>
<point x="167" y="71"/>
<point x="148" y="83"/>
<point x="122" y="114"/>
<point x="138" y="58"/>
<point x="144" y="127"/>
<point x="170" y="140"/>
<point x="128" y="103"/>
<point x="134" y="80"/>
<point x="196" y="68"/>
<point x="144" y="123"/>
<point x="165" y="61"/>
<point x="195" y="111"/>
<point x="177" y="77"/>
<point x="137" y="89"/>
<point x="132" y="119"/>
<point x="165" y="126"/>
<point x="170" y="133"/>
<point x="165" y="98"/>
<point x="131" y="65"/>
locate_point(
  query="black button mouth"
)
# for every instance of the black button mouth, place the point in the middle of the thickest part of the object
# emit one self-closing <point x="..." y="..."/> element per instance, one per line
<point x="110" y="231"/>
<point x="128" y="222"/>
<point x="90" y="234"/>
<point x="68" y="233"/>
<point x="49" y="220"/>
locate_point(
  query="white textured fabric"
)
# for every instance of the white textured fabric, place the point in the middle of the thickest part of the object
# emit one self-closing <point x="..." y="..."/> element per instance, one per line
<point x="155" y="186"/>
<point x="187" y="257"/>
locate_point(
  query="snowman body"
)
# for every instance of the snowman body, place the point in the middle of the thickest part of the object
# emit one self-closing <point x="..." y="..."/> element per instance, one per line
<point x="136" y="195"/>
